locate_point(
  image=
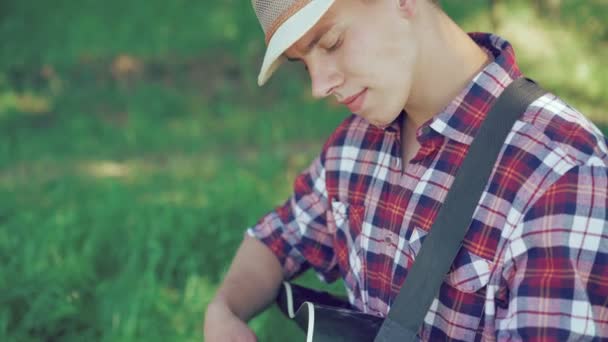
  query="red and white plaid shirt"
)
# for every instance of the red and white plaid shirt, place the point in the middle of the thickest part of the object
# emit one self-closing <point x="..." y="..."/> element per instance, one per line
<point x="534" y="263"/>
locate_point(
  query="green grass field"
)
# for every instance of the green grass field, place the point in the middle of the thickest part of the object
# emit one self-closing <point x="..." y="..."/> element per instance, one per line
<point x="135" y="148"/>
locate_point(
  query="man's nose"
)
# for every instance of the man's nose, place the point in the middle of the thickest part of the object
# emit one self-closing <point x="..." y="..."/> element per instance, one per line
<point x="324" y="78"/>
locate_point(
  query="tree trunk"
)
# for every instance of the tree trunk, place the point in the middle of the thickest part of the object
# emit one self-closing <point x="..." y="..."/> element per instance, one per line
<point x="548" y="8"/>
<point x="493" y="14"/>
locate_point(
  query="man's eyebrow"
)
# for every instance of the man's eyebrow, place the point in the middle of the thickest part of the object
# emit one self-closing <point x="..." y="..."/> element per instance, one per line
<point x="316" y="38"/>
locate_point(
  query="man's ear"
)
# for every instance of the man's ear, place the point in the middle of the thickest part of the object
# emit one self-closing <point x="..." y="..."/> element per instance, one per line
<point x="407" y="8"/>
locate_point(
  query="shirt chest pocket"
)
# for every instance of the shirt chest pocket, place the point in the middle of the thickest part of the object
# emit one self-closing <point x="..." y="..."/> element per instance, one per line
<point x="469" y="272"/>
<point x="462" y="298"/>
<point x="345" y="217"/>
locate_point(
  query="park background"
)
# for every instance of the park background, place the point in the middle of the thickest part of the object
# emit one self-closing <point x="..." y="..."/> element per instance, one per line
<point x="135" y="147"/>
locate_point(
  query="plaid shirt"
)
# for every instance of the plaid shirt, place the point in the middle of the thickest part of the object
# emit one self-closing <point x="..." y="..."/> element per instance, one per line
<point x="534" y="262"/>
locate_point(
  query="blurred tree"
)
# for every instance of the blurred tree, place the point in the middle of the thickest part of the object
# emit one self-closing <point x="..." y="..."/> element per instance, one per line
<point x="493" y="14"/>
<point x="549" y="8"/>
<point x="545" y="8"/>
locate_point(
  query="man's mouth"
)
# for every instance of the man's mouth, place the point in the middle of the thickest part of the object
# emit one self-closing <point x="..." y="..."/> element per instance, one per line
<point x="355" y="102"/>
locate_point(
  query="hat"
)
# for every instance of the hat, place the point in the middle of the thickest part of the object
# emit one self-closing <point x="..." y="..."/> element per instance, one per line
<point x="284" y="22"/>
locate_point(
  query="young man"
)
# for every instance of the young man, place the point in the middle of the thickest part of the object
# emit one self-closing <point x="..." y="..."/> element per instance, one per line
<point x="534" y="262"/>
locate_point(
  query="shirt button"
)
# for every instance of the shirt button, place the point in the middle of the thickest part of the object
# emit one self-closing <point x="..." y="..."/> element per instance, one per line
<point x="388" y="240"/>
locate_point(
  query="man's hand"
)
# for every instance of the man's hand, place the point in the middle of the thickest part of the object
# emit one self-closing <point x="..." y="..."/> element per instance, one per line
<point x="250" y="286"/>
<point x="221" y="325"/>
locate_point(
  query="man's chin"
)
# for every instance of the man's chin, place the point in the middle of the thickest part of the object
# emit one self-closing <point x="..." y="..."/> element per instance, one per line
<point x="380" y="121"/>
<point x="382" y="124"/>
<point x="379" y="124"/>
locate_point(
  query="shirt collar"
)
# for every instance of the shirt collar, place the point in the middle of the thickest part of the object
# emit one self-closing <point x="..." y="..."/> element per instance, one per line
<point x="461" y="119"/>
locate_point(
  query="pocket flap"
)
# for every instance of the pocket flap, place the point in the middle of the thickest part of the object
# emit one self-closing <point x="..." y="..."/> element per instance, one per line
<point x="469" y="272"/>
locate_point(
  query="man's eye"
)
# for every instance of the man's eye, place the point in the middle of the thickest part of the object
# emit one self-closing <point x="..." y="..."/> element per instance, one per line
<point x="335" y="45"/>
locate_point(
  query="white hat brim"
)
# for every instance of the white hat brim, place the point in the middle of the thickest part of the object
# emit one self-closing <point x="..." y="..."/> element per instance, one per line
<point x="290" y="32"/>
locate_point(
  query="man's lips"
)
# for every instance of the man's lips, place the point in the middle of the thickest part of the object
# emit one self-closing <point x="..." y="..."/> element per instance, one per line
<point x="355" y="102"/>
<point x="351" y="99"/>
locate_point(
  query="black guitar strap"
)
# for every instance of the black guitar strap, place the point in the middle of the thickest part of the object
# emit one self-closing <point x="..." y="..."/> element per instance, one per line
<point x="441" y="245"/>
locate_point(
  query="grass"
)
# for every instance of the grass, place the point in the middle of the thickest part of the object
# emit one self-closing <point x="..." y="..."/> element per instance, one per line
<point x="135" y="148"/>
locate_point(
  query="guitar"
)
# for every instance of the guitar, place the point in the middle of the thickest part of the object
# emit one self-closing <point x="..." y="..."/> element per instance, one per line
<point x="325" y="317"/>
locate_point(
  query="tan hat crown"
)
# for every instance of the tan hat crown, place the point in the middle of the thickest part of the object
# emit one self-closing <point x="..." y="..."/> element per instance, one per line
<point x="284" y="22"/>
<point x="273" y="13"/>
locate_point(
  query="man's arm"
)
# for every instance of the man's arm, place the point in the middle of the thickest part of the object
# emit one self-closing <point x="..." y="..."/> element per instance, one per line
<point x="249" y="287"/>
<point x="255" y="275"/>
<point x="556" y="263"/>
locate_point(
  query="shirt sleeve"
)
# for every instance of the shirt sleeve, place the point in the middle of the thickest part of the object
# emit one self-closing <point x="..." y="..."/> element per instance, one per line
<point x="557" y="269"/>
<point x="297" y="231"/>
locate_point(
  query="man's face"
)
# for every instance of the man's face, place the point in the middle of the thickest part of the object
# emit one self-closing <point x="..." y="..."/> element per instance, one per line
<point x="364" y="56"/>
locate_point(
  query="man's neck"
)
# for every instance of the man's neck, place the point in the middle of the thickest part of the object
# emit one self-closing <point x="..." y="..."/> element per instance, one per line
<point x="447" y="62"/>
